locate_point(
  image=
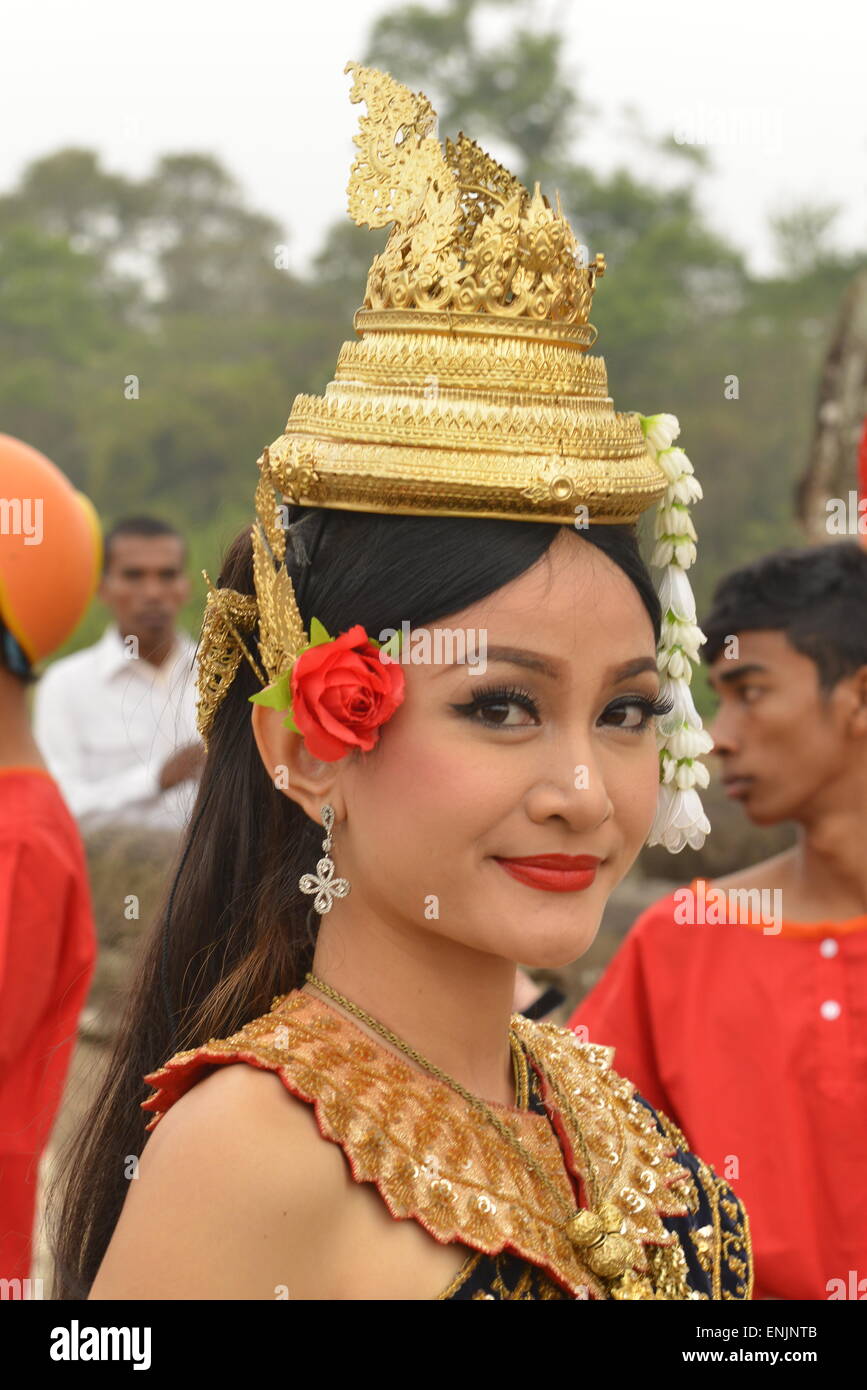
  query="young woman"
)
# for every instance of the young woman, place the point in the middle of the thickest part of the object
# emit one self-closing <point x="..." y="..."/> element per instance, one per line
<point x="396" y="1132"/>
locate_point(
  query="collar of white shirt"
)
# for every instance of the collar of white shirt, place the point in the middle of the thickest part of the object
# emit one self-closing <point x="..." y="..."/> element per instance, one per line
<point x="112" y="653"/>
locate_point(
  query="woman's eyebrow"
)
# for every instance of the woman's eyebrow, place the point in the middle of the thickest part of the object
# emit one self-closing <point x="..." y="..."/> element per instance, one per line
<point x="512" y="656"/>
<point x="534" y="661"/>
<point x="517" y="656"/>
<point x="632" y="668"/>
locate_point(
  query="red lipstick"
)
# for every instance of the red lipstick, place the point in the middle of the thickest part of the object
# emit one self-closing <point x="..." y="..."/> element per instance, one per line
<point x="556" y="873"/>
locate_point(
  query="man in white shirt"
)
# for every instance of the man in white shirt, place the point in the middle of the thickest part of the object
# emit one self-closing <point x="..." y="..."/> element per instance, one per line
<point x="116" y="721"/>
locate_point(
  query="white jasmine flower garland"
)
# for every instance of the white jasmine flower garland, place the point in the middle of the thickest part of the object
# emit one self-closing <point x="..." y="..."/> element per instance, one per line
<point x="680" y="819"/>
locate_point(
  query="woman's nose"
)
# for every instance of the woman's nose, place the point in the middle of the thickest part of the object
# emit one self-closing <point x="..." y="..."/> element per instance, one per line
<point x="577" y="793"/>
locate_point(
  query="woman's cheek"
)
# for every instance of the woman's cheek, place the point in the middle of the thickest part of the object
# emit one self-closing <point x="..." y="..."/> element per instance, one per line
<point x="635" y="793"/>
<point x="650" y="796"/>
<point x="415" y="774"/>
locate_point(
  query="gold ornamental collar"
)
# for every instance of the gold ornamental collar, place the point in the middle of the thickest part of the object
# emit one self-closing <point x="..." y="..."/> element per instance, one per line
<point x="435" y="1159"/>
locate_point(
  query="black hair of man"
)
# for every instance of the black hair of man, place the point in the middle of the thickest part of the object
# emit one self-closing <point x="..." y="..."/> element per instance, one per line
<point x="140" y="526"/>
<point x="817" y="596"/>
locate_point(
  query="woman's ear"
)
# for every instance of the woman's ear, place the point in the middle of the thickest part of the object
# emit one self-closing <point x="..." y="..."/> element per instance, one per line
<point x="292" y="769"/>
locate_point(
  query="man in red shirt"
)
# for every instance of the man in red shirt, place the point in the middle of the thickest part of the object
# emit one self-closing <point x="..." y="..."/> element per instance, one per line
<point x="49" y="558"/>
<point x="740" y="1007"/>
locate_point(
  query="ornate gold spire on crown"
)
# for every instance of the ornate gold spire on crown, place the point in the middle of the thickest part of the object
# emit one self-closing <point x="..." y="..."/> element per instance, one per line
<point x="470" y="391"/>
<point x="467" y="236"/>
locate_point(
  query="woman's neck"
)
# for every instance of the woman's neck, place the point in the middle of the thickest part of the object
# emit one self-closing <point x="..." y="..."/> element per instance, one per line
<point x="451" y="1004"/>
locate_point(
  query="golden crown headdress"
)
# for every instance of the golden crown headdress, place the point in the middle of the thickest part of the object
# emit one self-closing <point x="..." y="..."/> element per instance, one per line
<point x="469" y="392"/>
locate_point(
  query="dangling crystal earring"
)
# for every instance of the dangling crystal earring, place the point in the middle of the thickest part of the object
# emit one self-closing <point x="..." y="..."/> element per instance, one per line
<point x="323" y="883"/>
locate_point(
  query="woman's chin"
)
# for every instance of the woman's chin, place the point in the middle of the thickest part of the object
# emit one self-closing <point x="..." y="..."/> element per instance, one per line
<point x="550" y="949"/>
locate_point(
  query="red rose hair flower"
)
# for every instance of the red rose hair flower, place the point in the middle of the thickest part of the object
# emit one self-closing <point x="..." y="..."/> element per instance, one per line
<point x="341" y="692"/>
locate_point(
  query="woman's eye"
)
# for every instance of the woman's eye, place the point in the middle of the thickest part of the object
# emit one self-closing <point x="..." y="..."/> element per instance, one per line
<point x="635" y="714"/>
<point x="493" y="709"/>
<point x="631" y="716"/>
<point x="498" y="712"/>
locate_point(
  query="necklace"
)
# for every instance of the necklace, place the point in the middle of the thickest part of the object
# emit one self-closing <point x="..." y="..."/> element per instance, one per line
<point x="596" y="1234"/>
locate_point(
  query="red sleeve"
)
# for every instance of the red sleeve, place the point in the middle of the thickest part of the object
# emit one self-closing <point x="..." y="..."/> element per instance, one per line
<point x="37" y="888"/>
<point x="617" y="1012"/>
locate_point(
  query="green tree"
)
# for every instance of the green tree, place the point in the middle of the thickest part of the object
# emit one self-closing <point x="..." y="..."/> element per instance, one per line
<point x="801" y="237"/>
<point x="69" y="195"/>
<point x="213" y="255"/>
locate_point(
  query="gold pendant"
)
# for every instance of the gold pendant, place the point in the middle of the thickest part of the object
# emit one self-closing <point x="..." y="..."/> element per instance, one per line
<point x="597" y="1235"/>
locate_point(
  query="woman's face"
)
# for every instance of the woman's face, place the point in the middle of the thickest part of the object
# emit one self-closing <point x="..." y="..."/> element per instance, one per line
<point x="461" y="778"/>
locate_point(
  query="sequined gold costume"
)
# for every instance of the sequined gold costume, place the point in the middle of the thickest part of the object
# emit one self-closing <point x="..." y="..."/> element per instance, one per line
<point x="435" y="1160"/>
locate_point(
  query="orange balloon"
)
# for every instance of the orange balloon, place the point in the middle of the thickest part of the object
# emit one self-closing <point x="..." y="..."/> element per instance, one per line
<point x="50" y="550"/>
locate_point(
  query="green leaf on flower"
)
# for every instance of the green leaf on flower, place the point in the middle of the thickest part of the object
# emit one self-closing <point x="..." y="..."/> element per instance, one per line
<point x="274" y="696"/>
<point x="318" y="633"/>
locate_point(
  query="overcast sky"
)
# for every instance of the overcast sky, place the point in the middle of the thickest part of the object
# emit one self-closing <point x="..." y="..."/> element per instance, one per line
<point x="778" y="87"/>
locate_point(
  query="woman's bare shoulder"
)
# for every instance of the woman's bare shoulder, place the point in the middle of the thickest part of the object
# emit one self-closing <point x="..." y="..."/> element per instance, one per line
<point x="233" y="1184"/>
<point x="243" y="1103"/>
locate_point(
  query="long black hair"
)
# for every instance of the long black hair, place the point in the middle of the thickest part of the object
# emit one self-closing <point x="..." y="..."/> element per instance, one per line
<point x="240" y="931"/>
